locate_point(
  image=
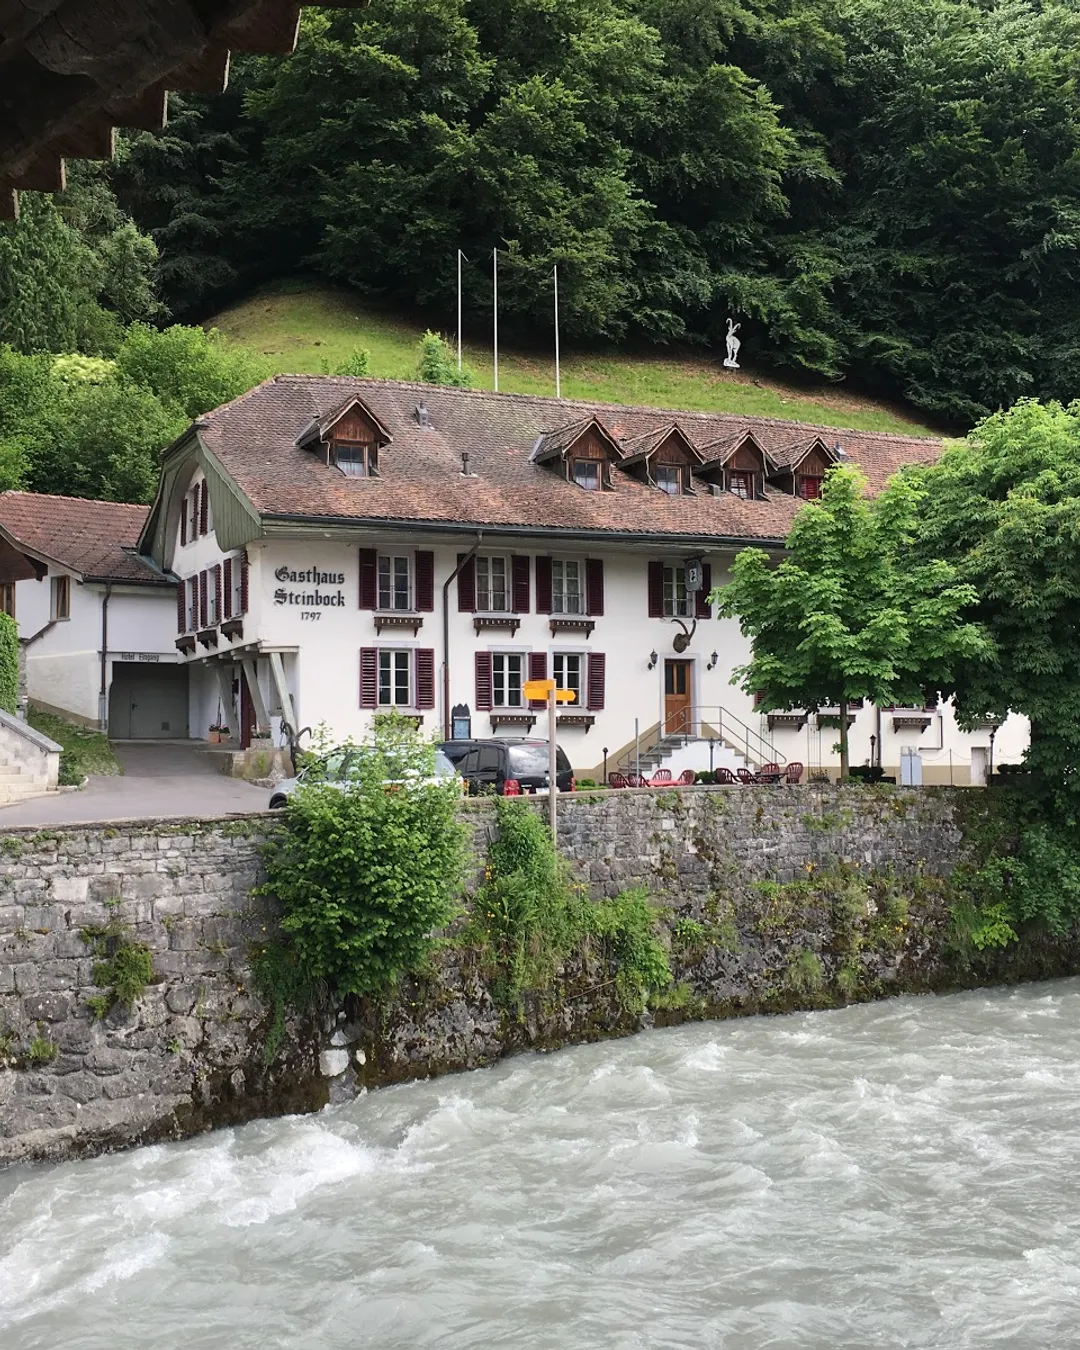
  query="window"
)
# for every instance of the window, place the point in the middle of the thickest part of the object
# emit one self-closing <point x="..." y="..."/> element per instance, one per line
<point x="809" y="487"/>
<point x="506" y="679"/>
<point x="669" y="479"/>
<point x="566" y="670"/>
<point x="741" y="482"/>
<point x="394" y="588"/>
<point x="236" y="607"/>
<point x="358" y="459"/>
<point x="193" y="513"/>
<point x="394" y="680"/>
<point x="677" y="599"/>
<point x="213" y="591"/>
<point x="61" y="598"/>
<point x="587" y="474"/>
<point x="566" y="592"/>
<point x="491" y="584"/>
<point x="7" y="598"/>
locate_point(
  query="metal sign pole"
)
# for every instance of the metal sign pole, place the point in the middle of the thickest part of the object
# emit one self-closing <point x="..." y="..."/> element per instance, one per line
<point x="553" y="766"/>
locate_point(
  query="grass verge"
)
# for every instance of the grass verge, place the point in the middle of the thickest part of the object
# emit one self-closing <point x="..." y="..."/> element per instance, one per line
<point x="87" y="751"/>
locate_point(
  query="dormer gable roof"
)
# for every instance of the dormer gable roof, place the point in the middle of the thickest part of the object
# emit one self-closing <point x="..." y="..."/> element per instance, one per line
<point x="556" y="444"/>
<point x="789" y="457"/>
<point x="321" y="429"/>
<point x="638" y="449"/>
<point x="715" y="454"/>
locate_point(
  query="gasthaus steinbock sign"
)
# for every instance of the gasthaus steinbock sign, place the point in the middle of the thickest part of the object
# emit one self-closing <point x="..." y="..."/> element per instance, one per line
<point x="310" y="590"/>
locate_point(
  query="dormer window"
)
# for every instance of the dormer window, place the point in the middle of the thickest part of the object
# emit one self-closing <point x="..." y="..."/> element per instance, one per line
<point x="669" y="479"/>
<point x="588" y="474"/>
<point x="808" y="487"/>
<point x="358" y="459"/>
<point x="742" y="483"/>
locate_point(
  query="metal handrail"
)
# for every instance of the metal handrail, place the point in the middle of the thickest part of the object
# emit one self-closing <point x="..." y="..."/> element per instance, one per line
<point x="725" y="726"/>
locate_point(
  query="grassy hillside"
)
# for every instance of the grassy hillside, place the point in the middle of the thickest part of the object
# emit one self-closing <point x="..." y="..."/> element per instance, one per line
<point x="307" y="328"/>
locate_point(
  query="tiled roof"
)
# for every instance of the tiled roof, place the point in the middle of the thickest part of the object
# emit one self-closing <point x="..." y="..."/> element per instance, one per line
<point x="788" y="456"/>
<point x="89" y="537"/>
<point x="254" y="438"/>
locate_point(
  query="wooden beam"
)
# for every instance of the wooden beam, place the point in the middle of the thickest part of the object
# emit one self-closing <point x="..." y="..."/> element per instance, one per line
<point x="207" y="74"/>
<point x="148" y="112"/>
<point x="9" y="202"/>
<point x="95" y="139"/>
<point x="43" y="174"/>
<point x="270" y="29"/>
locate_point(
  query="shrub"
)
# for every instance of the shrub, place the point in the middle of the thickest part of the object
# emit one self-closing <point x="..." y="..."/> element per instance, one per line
<point x="9" y="664"/>
<point x="368" y="873"/>
<point x="438" y="365"/>
<point x="123" y="970"/>
<point x="71" y="772"/>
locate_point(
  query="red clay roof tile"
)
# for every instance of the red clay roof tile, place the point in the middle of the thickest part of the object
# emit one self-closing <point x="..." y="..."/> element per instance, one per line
<point x="88" y="537"/>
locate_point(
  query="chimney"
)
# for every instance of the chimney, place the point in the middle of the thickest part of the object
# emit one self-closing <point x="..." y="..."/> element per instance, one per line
<point x="422" y="415"/>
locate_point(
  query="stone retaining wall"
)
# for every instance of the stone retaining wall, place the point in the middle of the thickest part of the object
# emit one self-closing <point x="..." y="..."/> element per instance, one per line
<point x="190" y="1054"/>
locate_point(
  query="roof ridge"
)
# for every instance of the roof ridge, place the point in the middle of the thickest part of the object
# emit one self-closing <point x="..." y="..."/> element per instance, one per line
<point x="638" y="408"/>
<point x="63" y="497"/>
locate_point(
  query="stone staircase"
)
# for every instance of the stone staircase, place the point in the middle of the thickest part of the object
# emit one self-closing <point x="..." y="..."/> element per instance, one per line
<point x="734" y="746"/>
<point x="29" y="761"/>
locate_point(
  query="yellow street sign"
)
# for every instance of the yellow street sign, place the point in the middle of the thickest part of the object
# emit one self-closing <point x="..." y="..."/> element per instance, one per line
<point x="537" y="688"/>
<point x="565" y="696"/>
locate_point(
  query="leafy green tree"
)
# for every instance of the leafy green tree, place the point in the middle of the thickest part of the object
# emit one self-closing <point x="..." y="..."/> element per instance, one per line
<point x="846" y="615"/>
<point x="1004" y="508"/>
<point x="25" y="388"/>
<point x="187" y="367"/>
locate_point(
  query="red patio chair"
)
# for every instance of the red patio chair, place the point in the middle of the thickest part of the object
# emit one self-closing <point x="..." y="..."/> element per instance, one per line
<point x="636" y="780"/>
<point x="745" y="777"/>
<point x="687" y="778"/>
<point x="617" y="780"/>
<point x="724" y="776"/>
<point x="769" y="773"/>
<point x="794" y="773"/>
<point x="659" y="777"/>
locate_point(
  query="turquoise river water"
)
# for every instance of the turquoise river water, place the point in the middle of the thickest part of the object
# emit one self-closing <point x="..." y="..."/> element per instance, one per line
<point x="901" y="1174"/>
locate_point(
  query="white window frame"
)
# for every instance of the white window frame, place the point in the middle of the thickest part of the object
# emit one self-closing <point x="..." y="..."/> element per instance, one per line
<point x="597" y="464"/>
<point x="192" y="508"/>
<point x="192" y="584"/>
<point x="677" y="488"/>
<point x="236" y="607"/>
<point x="560" y="659"/>
<point x="484" y="563"/>
<point x="388" y="562"/>
<point x="60" y="585"/>
<point x="560" y="595"/>
<point x="212" y="615"/>
<point x="396" y="660"/>
<point x="502" y="674"/>
<point x="676" y="605"/>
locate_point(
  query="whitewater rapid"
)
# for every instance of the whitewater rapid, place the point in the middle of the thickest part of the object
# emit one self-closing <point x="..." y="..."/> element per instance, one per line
<point x="901" y="1174"/>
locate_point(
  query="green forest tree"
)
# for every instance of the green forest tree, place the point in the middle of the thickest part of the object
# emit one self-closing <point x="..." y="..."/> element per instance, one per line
<point x="846" y="615"/>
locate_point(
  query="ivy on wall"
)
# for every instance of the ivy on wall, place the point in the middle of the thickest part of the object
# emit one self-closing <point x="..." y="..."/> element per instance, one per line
<point x="9" y="663"/>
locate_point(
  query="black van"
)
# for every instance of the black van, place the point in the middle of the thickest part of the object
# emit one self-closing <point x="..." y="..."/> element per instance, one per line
<point x="507" y="766"/>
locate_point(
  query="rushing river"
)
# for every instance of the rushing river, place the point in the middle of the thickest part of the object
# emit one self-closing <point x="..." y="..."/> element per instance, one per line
<point x="903" y="1174"/>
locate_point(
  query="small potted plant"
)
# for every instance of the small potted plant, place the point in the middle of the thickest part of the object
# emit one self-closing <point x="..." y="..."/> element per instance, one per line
<point x="217" y="733"/>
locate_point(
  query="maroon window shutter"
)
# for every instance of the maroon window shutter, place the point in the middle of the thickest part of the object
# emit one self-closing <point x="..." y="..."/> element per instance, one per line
<point x="183" y="522"/>
<point x="597" y="677"/>
<point x="483" y="682"/>
<point x="204" y="504"/>
<point x="656" y="590"/>
<point x="226" y="604"/>
<point x="466" y="585"/>
<point x="425" y="581"/>
<point x="369" y="579"/>
<point x="538" y="671"/>
<point x="204" y="595"/>
<point x="217" y="591"/>
<point x="594" y="585"/>
<point x="703" y="609"/>
<point x="543" y="585"/>
<point x="369" y="677"/>
<point x="181" y="606"/>
<point x="520" y="570"/>
<point x="244" y="584"/>
<point x="425" y="677"/>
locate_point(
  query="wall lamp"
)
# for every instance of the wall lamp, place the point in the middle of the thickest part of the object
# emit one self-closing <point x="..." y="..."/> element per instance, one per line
<point x="653" y="658"/>
<point x="712" y="661"/>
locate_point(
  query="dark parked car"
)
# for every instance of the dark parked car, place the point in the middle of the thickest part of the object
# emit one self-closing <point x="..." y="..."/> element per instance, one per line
<point x="507" y="766"/>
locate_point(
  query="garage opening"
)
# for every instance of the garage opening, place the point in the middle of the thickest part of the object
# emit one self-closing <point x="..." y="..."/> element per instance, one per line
<point x="148" y="702"/>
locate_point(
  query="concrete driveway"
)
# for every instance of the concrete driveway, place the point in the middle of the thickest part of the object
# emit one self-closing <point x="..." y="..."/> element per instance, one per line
<point x="160" y="778"/>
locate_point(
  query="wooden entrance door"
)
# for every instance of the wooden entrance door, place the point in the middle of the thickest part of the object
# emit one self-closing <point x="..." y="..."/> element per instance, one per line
<point x="678" y="714"/>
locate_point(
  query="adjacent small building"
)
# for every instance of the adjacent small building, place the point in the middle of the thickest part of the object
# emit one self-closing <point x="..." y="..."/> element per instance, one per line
<point x="96" y="618"/>
<point x="342" y="547"/>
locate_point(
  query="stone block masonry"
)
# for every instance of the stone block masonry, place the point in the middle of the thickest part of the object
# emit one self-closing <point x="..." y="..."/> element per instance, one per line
<point x="189" y="1054"/>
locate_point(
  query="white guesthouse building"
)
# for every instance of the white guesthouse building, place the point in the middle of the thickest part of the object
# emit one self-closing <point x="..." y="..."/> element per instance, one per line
<point x="95" y="618"/>
<point x="343" y="546"/>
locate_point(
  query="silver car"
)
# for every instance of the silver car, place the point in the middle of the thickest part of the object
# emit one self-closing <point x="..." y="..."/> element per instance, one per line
<point x="341" y="767"/>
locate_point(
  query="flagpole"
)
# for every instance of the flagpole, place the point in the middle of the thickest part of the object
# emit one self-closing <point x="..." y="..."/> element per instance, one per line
<point x="460" y="255"/>
<point x="495" y="289"/>
<point x="558" y="382"/>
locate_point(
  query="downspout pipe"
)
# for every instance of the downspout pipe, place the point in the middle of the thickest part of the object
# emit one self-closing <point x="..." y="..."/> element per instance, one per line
<point x="103" y="696"/>
<point x="467" y="557"/>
